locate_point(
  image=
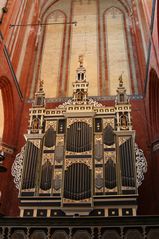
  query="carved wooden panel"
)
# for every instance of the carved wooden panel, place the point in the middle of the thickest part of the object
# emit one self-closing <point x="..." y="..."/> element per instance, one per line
<point x="39" y="234"/>
<point x="59" y="235"/>
<point x="153" y="234"/>
<point x="111" y="234"/>
<point x="50" y="138"/>
<point x="19" y="234"/>
<point x="108" y="135"/>
<point x="135" y="234"/>
<point x="81" y="234"/>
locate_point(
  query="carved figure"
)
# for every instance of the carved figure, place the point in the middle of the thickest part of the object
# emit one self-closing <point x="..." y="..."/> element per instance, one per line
<point x="123" y="121"/>
<point x="35" y="123"/>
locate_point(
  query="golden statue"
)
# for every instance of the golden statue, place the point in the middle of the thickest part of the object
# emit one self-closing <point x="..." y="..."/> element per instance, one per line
<point x="81" y="60"/>
<point x="41" y="84"/>
<point x="123" y="122"/>
<point x="35" y="123"/>
<point x="121" y="80"/>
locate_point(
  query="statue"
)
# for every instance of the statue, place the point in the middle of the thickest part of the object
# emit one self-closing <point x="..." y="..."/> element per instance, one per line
<point x="123" y="122"/>
<point x="121" y="80"/>
<point x="35" y="123"/>
<point x="81" y="60"/>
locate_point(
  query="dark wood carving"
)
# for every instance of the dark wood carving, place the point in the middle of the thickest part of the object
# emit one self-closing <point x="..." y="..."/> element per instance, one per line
<point x="153" y="234"/>
<point x="134" y="234"/>
<point x="57" y="182"/>
<point x="98" y="151"/>
<point x="61" y="126"/>
<point x="18" y="234"/>
<point x="108" y="135"/>
<point x="59" y="235"/>
<point x="39" y="234"/>
<point x="110" y="234"/>
<point x="98" y="125"/>
<point x="59" y="153"/>
<point x="81" y="234"/>
<point x="50" y="138"/>
<point x="99" y="182"/>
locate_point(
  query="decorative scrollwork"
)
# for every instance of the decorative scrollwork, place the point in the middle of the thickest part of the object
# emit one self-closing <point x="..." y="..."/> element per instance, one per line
<point x="69" y="102"/>
<point x="141" y="165"/>
<point x="17" y="167"/>
<point x="109" y="121"/>
<point x="95" y="103"/>
<point x="69" y="162"/>
<point x="52" y="124"/>
<point x="75" y="120"/>
<point x="90" y="102"/>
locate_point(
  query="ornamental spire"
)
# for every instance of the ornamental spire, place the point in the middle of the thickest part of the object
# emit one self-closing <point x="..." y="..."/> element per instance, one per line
<point x="41" y="84"/>
<point x="80" y="86"/>
<point x="121" y="80"/>
<point x="40" y="94"/>
<point x="81" y="60"/>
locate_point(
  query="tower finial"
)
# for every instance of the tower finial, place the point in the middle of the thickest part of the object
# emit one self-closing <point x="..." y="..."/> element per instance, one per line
<point x="81" y="60"/>
<point x="41" y="84"/>
<point x="121" y="80"/>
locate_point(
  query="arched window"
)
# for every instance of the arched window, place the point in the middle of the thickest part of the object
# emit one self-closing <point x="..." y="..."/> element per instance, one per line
<point x="52" y="54"/>
<point x="84" y="41"/>
<point x="103" y="34"/>
<point x="116" y="49"/>
<point x="1" y="116"/>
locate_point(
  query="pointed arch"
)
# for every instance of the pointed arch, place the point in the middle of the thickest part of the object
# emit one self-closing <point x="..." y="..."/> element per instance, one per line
<point x="52" y="54"/>
<point x="84" y="40"/>
<point x="154" y="103"/>
<point x="117" y="46"/>
<point x="154" y="133"/>
<point x="8" y="106"/>
<point x="51" y="51"/>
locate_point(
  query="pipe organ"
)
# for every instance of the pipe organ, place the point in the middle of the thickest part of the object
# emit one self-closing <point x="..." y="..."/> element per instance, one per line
<point x="79" y="158"/>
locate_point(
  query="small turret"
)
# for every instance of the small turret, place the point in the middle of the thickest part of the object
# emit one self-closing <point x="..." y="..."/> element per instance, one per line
<point x="39" y="100"/>
<point x="123" y="108"/>
<point x="122" y="97"/>
<point x="80" y="86"/>
<point x="37" y="111"/>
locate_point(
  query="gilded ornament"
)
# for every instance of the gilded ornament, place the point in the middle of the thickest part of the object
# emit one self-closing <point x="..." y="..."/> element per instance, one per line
<point x="52" y="124"/>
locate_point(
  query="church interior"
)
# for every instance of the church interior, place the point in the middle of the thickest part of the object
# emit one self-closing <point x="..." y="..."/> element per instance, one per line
<point x="79" y="108"/>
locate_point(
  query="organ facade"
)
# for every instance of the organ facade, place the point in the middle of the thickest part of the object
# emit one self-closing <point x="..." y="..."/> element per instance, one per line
<point x="79" y="158"/>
